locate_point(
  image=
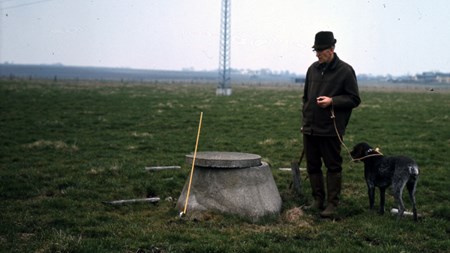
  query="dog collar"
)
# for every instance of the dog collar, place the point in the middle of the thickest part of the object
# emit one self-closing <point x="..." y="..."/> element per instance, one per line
<point x="376" y="150"/>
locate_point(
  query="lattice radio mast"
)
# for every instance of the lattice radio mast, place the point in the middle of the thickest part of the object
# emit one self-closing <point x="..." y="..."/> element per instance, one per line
<point x="224" y="87"/>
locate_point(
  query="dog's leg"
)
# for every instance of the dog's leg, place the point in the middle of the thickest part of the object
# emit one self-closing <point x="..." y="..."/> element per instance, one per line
<point x="371" y="191"/>
<point x="398" y="192"/>
<point x="411" y="186"/>
<point x="382" y="200"/>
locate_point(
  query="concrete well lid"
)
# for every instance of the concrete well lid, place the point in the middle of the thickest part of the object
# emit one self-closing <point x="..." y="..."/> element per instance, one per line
<point x="216" y="159"/>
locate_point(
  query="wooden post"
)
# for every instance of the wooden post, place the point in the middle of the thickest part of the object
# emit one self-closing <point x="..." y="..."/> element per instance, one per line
<point x="156" y="168"/>
<point x="296" y="177"/>
<point x="125" y="201"/>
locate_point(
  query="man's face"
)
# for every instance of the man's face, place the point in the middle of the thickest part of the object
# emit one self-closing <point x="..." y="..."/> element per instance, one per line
<point x="325" y="55"/>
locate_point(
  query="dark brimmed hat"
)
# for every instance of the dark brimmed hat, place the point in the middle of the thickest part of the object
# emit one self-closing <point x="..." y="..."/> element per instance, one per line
<point x="324" y="40"/>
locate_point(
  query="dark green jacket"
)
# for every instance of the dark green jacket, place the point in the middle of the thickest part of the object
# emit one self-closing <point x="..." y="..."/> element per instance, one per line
<point x="338" y="81"/>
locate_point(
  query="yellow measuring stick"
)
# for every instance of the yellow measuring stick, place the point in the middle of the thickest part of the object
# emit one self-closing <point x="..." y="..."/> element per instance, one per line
<point x="193" y="165"/>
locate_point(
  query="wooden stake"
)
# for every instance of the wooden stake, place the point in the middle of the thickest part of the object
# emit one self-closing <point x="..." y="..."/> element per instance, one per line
<point x="156" y="168"/>
<point x="193" y="165"/>
<point x="125" y="201"/>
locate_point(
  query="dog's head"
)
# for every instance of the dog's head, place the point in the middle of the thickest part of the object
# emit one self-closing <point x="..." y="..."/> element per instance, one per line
<point x="361" y="150"/>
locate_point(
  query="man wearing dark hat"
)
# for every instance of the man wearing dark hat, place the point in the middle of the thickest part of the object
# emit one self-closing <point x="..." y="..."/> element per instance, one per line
<point x="330" y="94"/>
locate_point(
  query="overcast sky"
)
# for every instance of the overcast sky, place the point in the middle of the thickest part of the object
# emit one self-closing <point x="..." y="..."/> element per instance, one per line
<point x="374" y="36"/>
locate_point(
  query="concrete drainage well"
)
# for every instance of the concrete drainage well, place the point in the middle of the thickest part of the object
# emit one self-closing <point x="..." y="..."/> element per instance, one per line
<point x="231" y="182"/>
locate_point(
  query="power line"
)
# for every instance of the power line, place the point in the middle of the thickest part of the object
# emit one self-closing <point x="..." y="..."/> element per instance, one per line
<point x="4" y="1"/>
<point x="22" y="5"/>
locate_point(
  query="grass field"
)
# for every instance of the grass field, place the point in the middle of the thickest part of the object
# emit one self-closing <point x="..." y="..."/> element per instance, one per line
<point x="65" y="148"/>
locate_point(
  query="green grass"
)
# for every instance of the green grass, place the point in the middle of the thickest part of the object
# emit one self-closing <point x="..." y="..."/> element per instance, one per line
<point x="67" y="147"/>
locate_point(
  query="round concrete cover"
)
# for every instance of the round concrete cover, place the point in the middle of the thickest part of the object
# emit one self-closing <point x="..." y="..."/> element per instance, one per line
<point x="214" y="159"/>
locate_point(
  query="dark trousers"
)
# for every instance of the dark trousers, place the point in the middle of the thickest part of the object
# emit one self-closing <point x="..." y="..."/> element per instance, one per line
<point x="326" y="148"/>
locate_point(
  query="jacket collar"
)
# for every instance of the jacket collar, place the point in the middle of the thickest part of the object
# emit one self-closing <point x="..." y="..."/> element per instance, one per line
<point x="325" y="66"/>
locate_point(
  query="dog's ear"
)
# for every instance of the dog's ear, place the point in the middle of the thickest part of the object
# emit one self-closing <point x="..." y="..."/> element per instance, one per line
<point x="358" y="150"/>
<point x="366" y="147"/>
<point x="362" y="147"/>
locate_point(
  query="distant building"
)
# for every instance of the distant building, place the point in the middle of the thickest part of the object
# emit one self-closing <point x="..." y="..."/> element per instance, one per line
<point x="429" y="77"/>
<point x="443" y="77"/>
<point x="299" y="80"/>
<point x="426" y="77"/>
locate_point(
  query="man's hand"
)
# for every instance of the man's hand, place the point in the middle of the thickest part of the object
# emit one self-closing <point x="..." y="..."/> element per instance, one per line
<point x="324" y="101"/>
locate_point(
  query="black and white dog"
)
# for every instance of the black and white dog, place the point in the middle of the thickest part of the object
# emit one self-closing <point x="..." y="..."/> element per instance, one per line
<point x="382" y="172"/>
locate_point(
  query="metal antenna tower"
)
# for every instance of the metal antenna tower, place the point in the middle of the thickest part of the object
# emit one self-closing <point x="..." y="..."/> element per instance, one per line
<point x="224" y="87"/>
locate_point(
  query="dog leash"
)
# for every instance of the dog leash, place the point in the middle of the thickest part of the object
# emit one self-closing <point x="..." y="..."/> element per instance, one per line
<point x="333" y="116"/>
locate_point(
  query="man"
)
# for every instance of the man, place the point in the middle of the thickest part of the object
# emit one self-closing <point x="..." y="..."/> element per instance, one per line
<point x="330" y="94"/>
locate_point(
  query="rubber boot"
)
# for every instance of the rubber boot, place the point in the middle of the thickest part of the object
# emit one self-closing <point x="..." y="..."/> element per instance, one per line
<point x="317" y="190"/>
<point x="334" y="184"/>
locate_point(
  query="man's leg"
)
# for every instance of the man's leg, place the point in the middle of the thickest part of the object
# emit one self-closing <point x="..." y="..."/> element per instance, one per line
<point x="331" y="150"/>
<point x="313" y="165"/>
